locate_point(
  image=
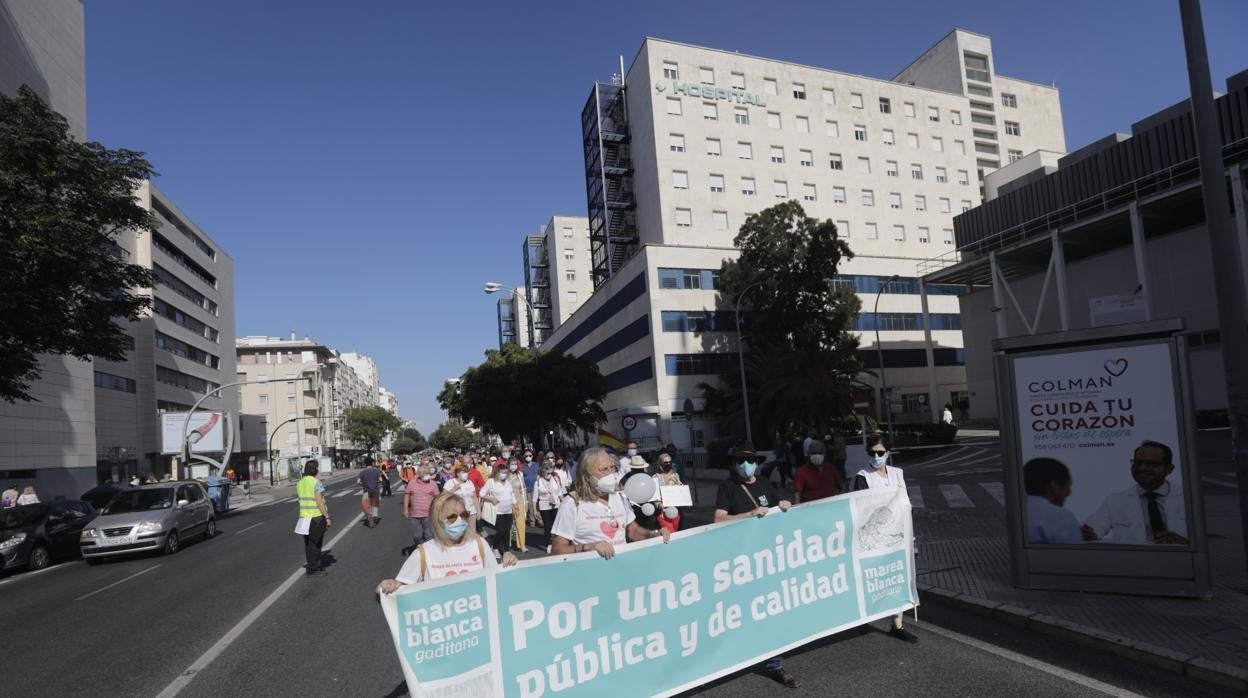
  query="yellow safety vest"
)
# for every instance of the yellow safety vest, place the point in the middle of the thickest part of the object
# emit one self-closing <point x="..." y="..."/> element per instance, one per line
<point x="306" y="490"/>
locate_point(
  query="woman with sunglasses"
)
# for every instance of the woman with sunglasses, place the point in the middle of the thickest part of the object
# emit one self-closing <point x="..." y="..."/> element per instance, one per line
<point x="454" y="549"/>
<point x="879" y="474"/>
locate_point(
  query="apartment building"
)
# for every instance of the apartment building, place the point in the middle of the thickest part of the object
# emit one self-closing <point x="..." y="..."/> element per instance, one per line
<point x="513" y="319"/>
<point x="693" y="140"/>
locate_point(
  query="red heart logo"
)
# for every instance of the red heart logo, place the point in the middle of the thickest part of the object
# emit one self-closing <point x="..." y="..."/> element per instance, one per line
<point x="476" y="559"/>
<point x="609" y="528"/>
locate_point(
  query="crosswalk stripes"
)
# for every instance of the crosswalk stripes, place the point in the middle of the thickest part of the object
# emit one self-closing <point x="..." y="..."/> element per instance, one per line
<point x="345" y="493"/>
<point x="996" y="490"/>
<point x="916" y="496"/>
<point x="955" y="496"/>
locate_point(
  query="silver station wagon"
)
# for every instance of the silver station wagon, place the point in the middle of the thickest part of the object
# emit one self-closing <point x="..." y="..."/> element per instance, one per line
<point x="156" y="517"/>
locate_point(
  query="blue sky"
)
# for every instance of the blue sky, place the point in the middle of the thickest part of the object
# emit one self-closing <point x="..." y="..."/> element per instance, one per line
<point x="369" y="165"/>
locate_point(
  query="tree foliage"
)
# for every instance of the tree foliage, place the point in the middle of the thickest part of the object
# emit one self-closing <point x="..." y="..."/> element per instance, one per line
<point x="369" y="425"/>
<point x="412" y="433"/>
<point x="451" y="435"/>
<point x="404" y="445"/>
<point x="520" y="393"/>
<point x="63" y="283"/>
<point x="800" y="355"/>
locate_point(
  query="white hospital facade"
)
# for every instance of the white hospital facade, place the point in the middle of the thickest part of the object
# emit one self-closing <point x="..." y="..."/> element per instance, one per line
<point x="693" y="140"/>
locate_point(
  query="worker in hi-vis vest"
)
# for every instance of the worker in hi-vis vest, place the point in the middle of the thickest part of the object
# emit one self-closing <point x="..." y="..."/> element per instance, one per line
<point x="313" y="515"/>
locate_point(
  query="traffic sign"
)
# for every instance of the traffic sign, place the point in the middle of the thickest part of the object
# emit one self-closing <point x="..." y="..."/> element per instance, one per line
<point x="629" y="422"/>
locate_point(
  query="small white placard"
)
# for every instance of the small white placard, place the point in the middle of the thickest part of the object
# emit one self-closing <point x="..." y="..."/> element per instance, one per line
<point x="676" y="496"/>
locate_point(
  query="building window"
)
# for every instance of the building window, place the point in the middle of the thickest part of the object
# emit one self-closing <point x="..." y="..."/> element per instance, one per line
<point x="680" y="179"/>
<point x="916" y="171"/>
<point x="290" y="398"/>
<point x="263" y="399"/>
<point x="842" y="228"/>
<point x="871" y="232"/>
<point x="979" y="90"/>
<point x="1011" y="129"/>
<point x="698" y="364"/>
<point x="673" y="106"/>
<point x="899" y="233"/>
<point x="984" y="119"/>
<point x="834" y="161"/>
<point x="933" y="114"/>
<point x="572" y="297"/>
<point x="959" y="147"/>
<point x="966" y="205"/>
<point x="942" y="175"/>
<point x="925" y="235"/>
<point x="777" y="154"/>
<point x="670" y="71"/>
<point x="747" y="186"/>
<point x="717" y="183"/>
<point x="1009" y="100"/>
<point x="808" y="192"/>
<point x="912" y="140"/>
<point x="806" y="158"/>
<point x="838" y="195"/>
<point x="773" y="120"/>
<point x="569" y="253"/>
<point x="887" y="136"/>
<point x="741" y="115"/>
<point x="920" y="202"/>
<point x="908" y="109"/>
<point x="868" y="197"/>
<point x="676" y="142"/>
<point x="864" y="165"/>
<point x="963" y="177"/>
<point x="894" y="200"/>
<point x="799" y="91"/>
<point x="698" y="321"/>
<point x="684" y="218"/>
<point x="712" y="147"/>
<point x="738" y="80"/>
<point x="179" y="348"/>
<point x="781" y="189"/>
<point x="829" y="96"/>
<point x="886" y="105"/>
<point x="832" y="129"/>
<point x="710" y="111"/>
<point x="976" y="67"/>
<point x="860" y="132"/>
<point x="1016" y="155"/>
<point x="890" y="168"/>
<point x="745" y="151"/>
<point x="109" y="381"/>
<point x="719" y="220"/>
<point x="955" y="117"/>
<point x="688" y="279"/>
<point x="803" y="124"/>
<point x="938" y="144"/>
<point x="769" y="86"/>
<point x="168" y="376"/>
<point x="569" y="275"/>
<point x="706" y="76"/>
<point x="567" y="232"/>
<point x="944" y="205"/>
<point x="946" y="236"/>
<point x="855" y="100"/>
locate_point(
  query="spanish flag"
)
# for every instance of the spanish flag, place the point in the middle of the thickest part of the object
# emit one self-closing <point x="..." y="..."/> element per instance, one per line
<point x="606" y="438"/>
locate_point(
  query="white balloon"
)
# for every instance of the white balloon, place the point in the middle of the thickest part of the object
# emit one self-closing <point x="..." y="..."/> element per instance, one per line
<point x="640" y="487"/>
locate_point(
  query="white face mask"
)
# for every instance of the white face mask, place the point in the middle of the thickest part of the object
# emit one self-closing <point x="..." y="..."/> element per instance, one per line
<point x="632" y="452"/>
<point x="816" y="459"/>
<point x="463" y="477"/>
<point x="426" y="478"/>
<point x="879" y="459"/>
<point x="607" y="484"/>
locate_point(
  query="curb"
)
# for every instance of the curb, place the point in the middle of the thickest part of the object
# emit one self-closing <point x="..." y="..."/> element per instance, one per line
<point x="1199" y="668"/>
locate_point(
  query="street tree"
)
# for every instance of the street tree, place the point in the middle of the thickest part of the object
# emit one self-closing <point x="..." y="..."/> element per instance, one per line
<point x="64" y="283"/>
<point x="414" y="434"/>
<point x="521" y="393"/>
<point x="800" y="354"/>
<point x="404" y="445"/>
<point x="369" y="425"/>
<point x="451" y="435"/>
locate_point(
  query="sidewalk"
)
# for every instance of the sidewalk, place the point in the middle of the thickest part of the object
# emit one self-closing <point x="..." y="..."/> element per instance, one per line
<point x="263" y="493"/>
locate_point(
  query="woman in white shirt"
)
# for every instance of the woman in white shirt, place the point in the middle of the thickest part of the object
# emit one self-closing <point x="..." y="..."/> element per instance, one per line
<point x="499" y="492"/>
<point x="28" y="496"/>
<point x="463" y="488"/>
<point x="879" y="474"/>
<point x="454" y="549"/>
<point x="547" y="495"/>
<point x="595" y="516"/>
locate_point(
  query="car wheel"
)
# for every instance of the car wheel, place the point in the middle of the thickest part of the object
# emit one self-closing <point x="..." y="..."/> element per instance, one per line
<point x="210" y="528"/>
<point x="39" y="558"/>
<point x="171" y="543"/>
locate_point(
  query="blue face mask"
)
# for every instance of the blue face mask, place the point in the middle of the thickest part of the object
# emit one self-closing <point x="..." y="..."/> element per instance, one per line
<point x="747" y="469"/>
<point x="457" y="528"/>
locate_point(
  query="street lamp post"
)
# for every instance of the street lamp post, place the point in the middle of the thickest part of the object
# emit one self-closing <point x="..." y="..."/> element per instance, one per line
<point x="272" y="461"/>
<point x="492" y="287"/>
<point x="888" y="406"/>
<point x="745" y="392"/>
<point x="186" y="423"/>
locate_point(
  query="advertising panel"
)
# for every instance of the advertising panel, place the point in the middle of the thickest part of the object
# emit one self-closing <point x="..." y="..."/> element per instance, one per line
<point x="206" y="432"/>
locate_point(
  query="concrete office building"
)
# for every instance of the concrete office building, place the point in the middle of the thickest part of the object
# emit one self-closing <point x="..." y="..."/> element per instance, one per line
<point x="390" y="402"/>
<point x="49" y="442"/>
<point x="556" y="280"/>
<point x="513" y="319"/>
<point x="1113" y="233"/>
<point x="692" y="140"/>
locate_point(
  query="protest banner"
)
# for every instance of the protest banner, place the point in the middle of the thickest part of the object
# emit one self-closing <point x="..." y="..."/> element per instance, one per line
<point x="659" y="619"/>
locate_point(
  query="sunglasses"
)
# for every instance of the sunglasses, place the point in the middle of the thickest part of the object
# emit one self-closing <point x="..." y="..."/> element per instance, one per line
<point x="879" y="453"/>
<point x="452" y="518"/>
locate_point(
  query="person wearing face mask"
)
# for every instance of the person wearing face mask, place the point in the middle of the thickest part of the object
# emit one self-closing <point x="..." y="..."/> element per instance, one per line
<point x="879" y="474"/>
<point x="548" y="494"/>
<point x="626" y="460"/>
<point x="562" y="474"/>
<point x="447" y="473"/>
<point x="463" y="488"/>
<point x="596" y="515"/>
<point x="519" y="514"/>
<point x="417" y="496"/>
<point x="499" y="492"/>
<point x="745" y="496"/>
<point x="666" y="476"/>
<point x="454" y="548"/>
<point x="817" y="478"/>
<point x="530" y="468"/>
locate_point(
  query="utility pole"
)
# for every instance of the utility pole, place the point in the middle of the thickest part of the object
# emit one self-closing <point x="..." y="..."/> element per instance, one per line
<point x="1227" y="276"/>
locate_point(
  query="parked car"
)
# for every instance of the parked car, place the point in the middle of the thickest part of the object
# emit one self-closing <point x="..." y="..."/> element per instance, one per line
<point x="156" y="517"/>
<point x="35" y="535"/>
<point x="100" y="495"/>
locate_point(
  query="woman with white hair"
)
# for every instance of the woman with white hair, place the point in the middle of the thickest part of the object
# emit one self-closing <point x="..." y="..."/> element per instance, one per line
<point x="596" y="515"/>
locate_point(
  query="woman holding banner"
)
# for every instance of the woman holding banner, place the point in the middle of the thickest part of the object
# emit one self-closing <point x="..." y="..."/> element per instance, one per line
<point x="596" y="515"/>
<point x="454" y="549"/>
<point x="879" y="473"/>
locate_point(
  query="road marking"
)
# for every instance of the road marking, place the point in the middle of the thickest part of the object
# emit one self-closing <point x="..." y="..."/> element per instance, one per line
<point x="343" y="493"/>
<point x="916" y="496"/>
<point x="955" y="496"/>
<point x="996" y="489"/>
<point x="28" y="575"/>
<point x="110" y="586"/>
<point x="184" y="679"/>
<point x="1050" y="669"/>
<point x="249" y="528"/>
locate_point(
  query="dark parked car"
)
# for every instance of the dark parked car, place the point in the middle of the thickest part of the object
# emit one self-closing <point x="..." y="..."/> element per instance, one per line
<point x="37" y="534"/>
<point x="100" y="495"/>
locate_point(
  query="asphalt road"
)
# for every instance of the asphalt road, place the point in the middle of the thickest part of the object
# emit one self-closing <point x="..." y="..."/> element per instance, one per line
<point x="134" y="628"/>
